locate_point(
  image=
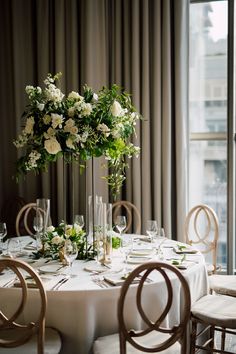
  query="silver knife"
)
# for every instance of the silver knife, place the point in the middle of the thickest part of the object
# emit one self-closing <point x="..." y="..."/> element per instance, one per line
<point x="59" y="283"/>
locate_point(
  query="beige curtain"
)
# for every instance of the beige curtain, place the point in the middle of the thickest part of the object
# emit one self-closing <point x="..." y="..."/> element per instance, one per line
<point x="138" y="44"/>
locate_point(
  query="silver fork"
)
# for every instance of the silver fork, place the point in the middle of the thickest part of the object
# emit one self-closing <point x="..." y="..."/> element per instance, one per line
<point x="100" y="282"/>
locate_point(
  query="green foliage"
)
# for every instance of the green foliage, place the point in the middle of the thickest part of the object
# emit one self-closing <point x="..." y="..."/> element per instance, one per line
<point x="80" y="127"/>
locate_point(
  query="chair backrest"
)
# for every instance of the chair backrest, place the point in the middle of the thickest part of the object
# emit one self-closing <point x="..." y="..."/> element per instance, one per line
<point x="131" y="212"/>
<point x="202" y="229"/>
<point x="15" y="332"/>
<point x="175" y="333"/>
<point x="27" y="213"/>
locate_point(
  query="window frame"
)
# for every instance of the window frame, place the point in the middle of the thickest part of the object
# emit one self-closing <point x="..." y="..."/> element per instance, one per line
<point x="229" y="136"/>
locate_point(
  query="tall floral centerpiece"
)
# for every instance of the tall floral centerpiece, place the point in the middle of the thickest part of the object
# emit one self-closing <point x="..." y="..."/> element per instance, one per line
<point x="77" y="127"/>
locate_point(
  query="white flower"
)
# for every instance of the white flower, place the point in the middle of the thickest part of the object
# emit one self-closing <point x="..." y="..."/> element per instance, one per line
<point x="29" y="125"/>
<point x="40" y="106"/>
<point x="56" y="240"/>
<point x="50" y="228"/>
<point x="71" y="112"/>
<point x="50" y="133"/>
<point x="46" y="246"/>
<point x="116" y="109"/>
<point x="57" y="120"/>
<point x="29" y="89"/>
<point x="68" y="230"/>
<point x="32" y="162"/>
<point x="47" y="119"/>
<point x="21" y="141"/>
<point x="70" y="122"/>
<point x="104" y="128"/>
<point x="53" y="93"/>
<point x="86" y="109"/>
<point x="74" y="95"/>
<point x="52" y="146"/>
<point x="95" y="97"/>
<point x="70" y="144"/>
<point x="77" y="228"/>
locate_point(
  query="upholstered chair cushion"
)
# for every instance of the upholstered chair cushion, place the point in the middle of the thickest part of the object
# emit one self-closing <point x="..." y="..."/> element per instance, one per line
<point x="223" y="284"/>
<point x="216" y="310"/>
<point x="52" y="344"/>
<point x="110" y="344"/>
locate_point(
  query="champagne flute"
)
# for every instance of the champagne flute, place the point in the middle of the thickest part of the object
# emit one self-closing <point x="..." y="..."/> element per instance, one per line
<point x="38" y="227"/>
<point x="70" y="252"/>
<point x="3" y="232"/>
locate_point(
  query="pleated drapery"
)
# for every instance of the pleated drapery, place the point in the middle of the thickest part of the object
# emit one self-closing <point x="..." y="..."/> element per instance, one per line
<point x="141" y="45"/>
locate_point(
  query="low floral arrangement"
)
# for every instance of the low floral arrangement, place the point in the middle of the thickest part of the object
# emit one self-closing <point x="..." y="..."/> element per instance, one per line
<point x="77" y="127"/>
<point x="54" y="240"/>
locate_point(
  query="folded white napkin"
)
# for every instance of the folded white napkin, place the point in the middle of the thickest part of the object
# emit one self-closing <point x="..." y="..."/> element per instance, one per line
<point x="185" y="250"/>
<point x="117" y="279"/>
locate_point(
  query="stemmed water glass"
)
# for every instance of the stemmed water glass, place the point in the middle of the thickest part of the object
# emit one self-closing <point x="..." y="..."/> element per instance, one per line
<point x="3" y="232"/>
<point x="70" y="252"/>
<point x="152" y="229"/>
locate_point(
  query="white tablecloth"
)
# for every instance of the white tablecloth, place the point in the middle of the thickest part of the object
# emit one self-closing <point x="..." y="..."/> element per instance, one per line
<point x="82" y="311"/>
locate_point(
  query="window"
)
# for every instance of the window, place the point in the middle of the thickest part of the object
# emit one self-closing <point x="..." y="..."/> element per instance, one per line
<point x="208" y="115"/>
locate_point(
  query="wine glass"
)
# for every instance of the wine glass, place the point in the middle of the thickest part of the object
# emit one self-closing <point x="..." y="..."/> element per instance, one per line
<point x="120" y="223"/>
<point x="152" y="229"/>
<point x="70" y="252"/>
<point x="3" y="232"/>
<point x="79" y="220"/>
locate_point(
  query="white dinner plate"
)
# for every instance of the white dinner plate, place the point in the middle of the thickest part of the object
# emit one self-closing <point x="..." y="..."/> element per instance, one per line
<point x="138" y="260"/>
<point x="141" y="252"/>
<point x="50" y="268"/>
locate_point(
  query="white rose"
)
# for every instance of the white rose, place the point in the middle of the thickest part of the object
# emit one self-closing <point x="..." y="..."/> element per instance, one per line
<point x="56" y="240"/>
<point x="69" y="143"/>
<point x="116" y="109"/>
<point x="50" y="228"/>
<point x="52" y="146"/>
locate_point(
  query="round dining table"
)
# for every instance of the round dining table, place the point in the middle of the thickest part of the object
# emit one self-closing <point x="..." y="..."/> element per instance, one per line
<point x="82" y="300"/>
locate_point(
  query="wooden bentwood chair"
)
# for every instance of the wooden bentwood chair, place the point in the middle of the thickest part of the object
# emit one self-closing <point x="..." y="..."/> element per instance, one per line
<point x="155" y="337"/>
<point x="202" y="230"/>
<point x="132" y="215"/>
<point x="18" y="335"/>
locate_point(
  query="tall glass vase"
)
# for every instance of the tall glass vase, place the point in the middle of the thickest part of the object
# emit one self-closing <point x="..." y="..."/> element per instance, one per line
<point x="43" y="209"/>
